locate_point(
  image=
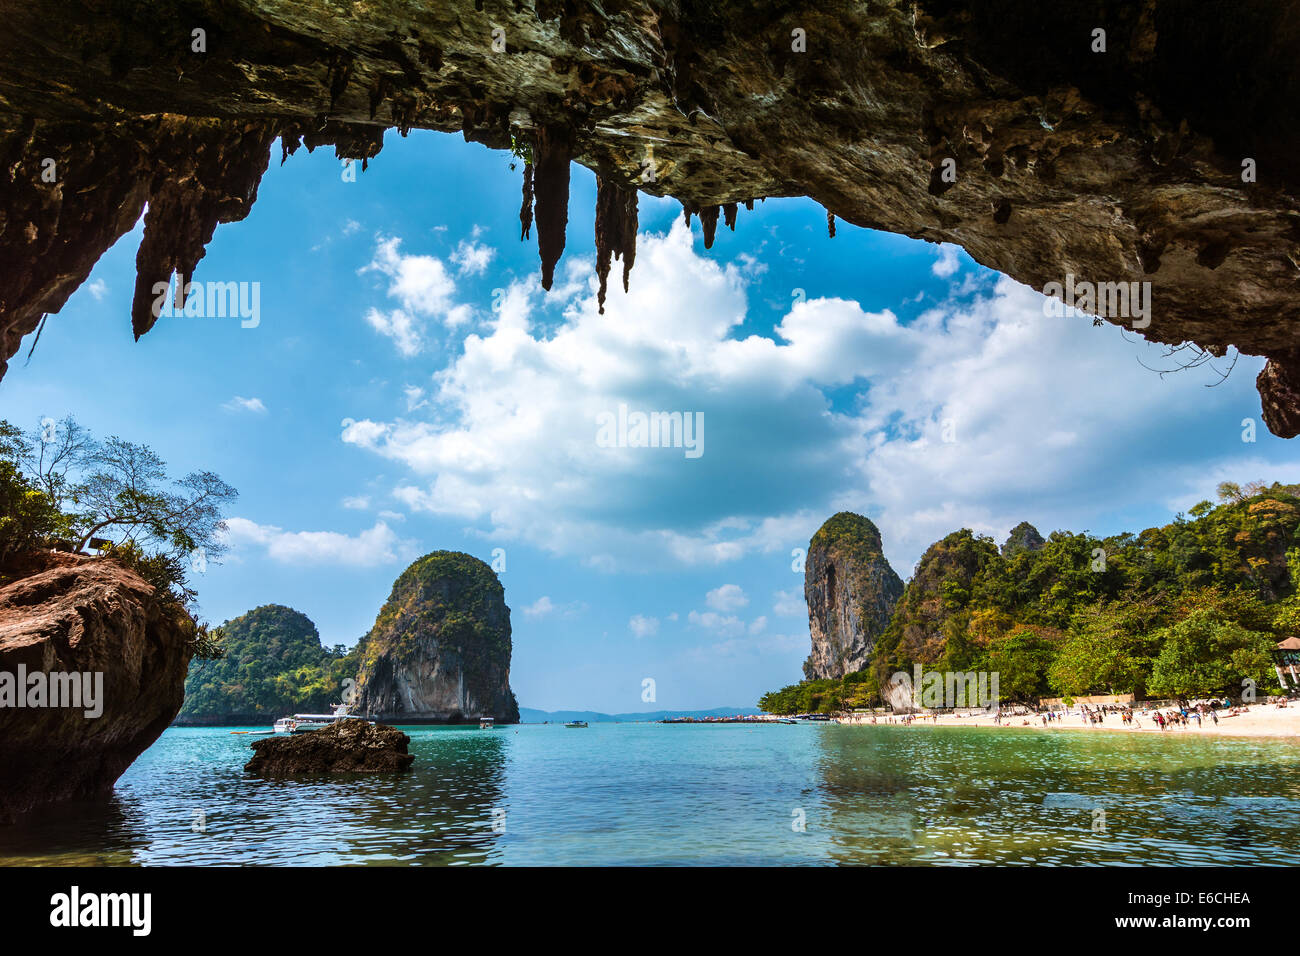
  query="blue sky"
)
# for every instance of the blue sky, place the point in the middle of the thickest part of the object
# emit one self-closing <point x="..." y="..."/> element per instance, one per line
<point x="409" y="387"/>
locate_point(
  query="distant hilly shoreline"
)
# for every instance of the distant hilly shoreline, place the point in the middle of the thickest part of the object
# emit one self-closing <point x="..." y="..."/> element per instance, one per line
<point x="530" y="715"/>
<point x="527" y="715"/>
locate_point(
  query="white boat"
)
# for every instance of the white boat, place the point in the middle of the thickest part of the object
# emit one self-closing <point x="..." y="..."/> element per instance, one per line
<point x="302" y="723"/>
<point x="487" y="723"/>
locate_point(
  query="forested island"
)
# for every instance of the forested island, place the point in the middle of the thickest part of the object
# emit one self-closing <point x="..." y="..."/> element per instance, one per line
<point x="1192" y="608"/>
<point x="272" y="663"/>
<point x="439" y="652"/>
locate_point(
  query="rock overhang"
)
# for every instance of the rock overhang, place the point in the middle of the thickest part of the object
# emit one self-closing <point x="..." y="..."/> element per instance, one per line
<point x="1117" y="165"/>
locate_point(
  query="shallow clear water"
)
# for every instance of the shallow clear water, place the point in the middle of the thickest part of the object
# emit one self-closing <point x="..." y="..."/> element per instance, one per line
<point x="703" y="794"/>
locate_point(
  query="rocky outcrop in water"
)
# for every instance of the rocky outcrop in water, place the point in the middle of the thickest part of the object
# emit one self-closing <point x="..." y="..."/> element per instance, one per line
<point x="1151" y="141"/>
<point x="440" y="648"/>
<point x="345" y="746"/>
<point x="119" y="657"/>
<point x="851" y="591"/>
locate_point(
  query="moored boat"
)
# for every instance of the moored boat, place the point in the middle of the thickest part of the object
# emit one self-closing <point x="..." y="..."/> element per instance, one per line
<point x="302" y="723"/>
<point x="576" y="723"/>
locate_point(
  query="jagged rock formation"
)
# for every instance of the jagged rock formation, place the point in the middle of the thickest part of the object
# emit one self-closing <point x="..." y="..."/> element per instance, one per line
<point x="1023" y="537"/>
<point x="1162" y="151"/>
<point x="851" y="591"/>
<point x="615" y="232"/>
<point x="84" y="616"/>
<point x="345" y="746"/>
<point x="553" y="150"/>
<point x="440" y="648"/>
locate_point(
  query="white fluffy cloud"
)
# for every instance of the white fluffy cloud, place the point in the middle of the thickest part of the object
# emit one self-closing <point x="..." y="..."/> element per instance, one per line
<point x="540" y="608"/>
<point x="642" y="626"/>
<point x="545" y="607"/>
<point x="378" y="545"/>
<point x="980" y="412"/>
<point x="241" y="404"/>
<point x="399" y="326"/>
<point x="472" y="258"/>
<point x="728" y="597"/>
<point x="424" y="289"/>
<point x="788" y="604"/>
<point x="720" y="625"/>
<point x="947" y="263"/>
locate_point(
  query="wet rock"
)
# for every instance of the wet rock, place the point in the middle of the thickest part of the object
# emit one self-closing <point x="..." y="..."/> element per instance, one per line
<point x="345" y="746"/>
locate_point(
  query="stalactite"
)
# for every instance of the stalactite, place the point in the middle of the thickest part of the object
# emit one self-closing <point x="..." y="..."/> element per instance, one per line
<point x="616" y="222"/>
<point x="526" y="207"/>
<point x="687" y="209"/>
<point x="830" y="223"/>
<point x="709" y="220"/>
<point x="210" y="178"/>
<point x="749" y="205"/>
<point x="551" y="157"/>
<point x="729" y="215"/>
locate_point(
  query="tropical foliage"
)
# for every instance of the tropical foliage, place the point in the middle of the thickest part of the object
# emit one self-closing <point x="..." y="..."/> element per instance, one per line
<point x="1192" y="608"/>
<point x="60" y="489"/>
<point x="272" y="664"/>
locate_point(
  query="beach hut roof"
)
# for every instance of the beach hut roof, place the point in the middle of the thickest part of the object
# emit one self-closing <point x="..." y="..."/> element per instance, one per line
<point x="1290" y="644"/>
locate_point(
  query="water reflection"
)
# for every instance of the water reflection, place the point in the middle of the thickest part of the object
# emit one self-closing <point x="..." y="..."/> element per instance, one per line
<point x="1003" y="796"/>
<point x="718" y="795"/>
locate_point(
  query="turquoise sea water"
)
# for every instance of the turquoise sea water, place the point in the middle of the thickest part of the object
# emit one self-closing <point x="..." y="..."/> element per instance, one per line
<point x="703" y="794"/>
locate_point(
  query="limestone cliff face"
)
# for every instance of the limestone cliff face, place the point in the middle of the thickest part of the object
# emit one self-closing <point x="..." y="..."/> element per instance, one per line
<point x="1161" y="151"/>
<point x="84" y="616"/>
<point x="440" y="648"/>
<point x="851" y="591"/>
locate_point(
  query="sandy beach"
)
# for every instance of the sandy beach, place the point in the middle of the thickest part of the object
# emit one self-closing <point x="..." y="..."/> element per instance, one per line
<point x="1260" y="720"/>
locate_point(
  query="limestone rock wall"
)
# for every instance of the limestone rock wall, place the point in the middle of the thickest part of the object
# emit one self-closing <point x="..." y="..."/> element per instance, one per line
<point x="851" y="592"/>
<point x="1163" y="154"/>
<point x="440" y="648"/>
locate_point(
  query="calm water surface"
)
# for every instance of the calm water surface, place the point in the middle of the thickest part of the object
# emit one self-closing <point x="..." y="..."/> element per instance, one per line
<point x="699" y="794"/>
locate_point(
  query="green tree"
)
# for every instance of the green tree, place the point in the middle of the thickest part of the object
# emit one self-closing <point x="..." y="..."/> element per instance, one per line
<point x="272" y="664"/>
<point x="1021" y="660"/>
<point x="62" y="488"/>
<point x="1204" y="654"/>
